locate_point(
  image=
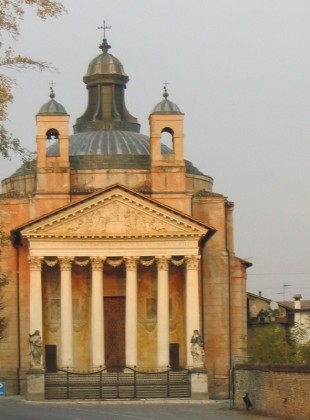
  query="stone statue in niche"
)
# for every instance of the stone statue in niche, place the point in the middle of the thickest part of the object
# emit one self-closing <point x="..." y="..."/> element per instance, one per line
<point x="197" y="349"/>
<point x="35" y="343"/>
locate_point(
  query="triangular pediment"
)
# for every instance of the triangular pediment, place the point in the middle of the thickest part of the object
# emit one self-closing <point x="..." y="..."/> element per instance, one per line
<point x="116" y="213"/>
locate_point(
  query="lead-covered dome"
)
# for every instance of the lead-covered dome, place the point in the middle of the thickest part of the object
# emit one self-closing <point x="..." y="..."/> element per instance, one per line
<point x="106" y="82"/>
<point x="166" y="106"/>
<point x="112" y="149"/>
<point x="52" y="107"/>
<point x="105" y="63"/>
<point x="107" y="136"/>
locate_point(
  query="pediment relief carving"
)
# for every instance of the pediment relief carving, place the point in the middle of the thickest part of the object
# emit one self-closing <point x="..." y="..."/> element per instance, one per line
<point x="116" y="216"/>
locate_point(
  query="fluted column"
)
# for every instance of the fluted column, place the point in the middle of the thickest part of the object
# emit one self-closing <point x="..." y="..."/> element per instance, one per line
<point x="66" y="312"/>
<point x="162" y="312"/>
<point x="192" y="304"/>
<point x="35" y="309"/>
<point x="131" y="328"/>
<point x="97" y="314"/>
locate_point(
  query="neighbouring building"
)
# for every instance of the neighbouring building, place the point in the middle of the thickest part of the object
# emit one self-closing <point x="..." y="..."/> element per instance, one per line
<point x="120" y="248"/>
<point x="299" y="313"/>
<point x="263" y="311"/>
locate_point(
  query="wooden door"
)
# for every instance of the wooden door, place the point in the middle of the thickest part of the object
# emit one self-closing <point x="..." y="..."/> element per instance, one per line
<point x="175" y="356"/>
<point x="114" y="331"/>
<point x="51" y="358"/>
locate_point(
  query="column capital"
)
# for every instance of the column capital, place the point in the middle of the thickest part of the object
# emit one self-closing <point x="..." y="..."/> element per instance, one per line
<point x="97" y="263"/>
<point x="163" y="263"/>
<point x="65" y="263"/>
<point x="192" y="262"/>
<point x="35" y="263"/>
<point x="131" y="263"/>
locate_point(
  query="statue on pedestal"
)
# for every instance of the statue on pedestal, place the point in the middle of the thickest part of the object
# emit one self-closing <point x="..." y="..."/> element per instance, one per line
<point x="35" y="343"/>
<point x="197" y="349"/>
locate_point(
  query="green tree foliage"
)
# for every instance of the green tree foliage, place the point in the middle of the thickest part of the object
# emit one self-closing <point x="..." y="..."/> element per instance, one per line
<point x="273" y="344"/>
<point x="269" y="344"/>
<point x="300" y="341"/>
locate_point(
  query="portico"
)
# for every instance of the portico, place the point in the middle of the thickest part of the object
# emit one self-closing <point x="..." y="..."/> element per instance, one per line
<point x="156" y="260"/>
<point x="96" y="349"/>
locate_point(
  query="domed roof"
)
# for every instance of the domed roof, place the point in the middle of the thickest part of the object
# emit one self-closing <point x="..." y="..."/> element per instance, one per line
<point x="107" y="149"/>
<point x="106" y="142"/>
<point x="52" y="107"/>
<point x="105" y="63"/>
<point x="166" y="106"/>
<point x="106" y="83"/>
<point x="109" y="142"/>
<point x="107" y="136"/>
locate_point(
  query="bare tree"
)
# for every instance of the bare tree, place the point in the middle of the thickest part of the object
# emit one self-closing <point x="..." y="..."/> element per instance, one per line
<point x="11" y="14"/>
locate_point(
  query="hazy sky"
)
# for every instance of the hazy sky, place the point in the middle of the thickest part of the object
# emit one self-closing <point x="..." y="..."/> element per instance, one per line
<point x="239" y="70"/>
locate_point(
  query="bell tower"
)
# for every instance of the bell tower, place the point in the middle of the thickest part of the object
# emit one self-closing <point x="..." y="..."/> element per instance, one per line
<point x="168" y="171"/>
<point x="53" y="168"/>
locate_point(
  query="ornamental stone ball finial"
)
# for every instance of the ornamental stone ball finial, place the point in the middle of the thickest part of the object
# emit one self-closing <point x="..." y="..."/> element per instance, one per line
<point x="165" y="94"/>
<point x="52" y="94"/>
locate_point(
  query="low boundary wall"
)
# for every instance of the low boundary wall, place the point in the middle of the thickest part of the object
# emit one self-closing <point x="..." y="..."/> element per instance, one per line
<point x="282" y="391"/>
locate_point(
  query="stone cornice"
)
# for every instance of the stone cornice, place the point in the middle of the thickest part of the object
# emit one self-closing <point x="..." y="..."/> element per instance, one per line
<point x="116" y="215"/>
<point x="133" y="198"/>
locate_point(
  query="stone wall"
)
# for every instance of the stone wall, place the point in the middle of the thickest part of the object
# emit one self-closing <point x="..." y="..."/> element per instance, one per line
<point x="282" y="391"/>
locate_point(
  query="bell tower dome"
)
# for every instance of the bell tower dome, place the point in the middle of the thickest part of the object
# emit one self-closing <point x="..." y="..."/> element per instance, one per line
<point x="53" y="169"/>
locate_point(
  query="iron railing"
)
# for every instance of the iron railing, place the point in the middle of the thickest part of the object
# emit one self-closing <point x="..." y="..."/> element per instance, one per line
<point x="118" y="382"/>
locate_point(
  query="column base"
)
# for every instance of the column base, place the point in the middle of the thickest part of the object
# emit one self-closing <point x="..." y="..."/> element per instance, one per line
<point x="35" y="384"/>
<point x="199" y="383"/>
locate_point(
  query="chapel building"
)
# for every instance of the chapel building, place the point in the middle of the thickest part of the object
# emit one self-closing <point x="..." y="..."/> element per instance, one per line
<point x="120" y="248"/>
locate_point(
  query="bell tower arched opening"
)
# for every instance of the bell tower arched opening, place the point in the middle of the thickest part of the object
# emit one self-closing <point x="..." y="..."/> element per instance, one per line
<point x="52" y="142"/>
<point x="167" y="139"/>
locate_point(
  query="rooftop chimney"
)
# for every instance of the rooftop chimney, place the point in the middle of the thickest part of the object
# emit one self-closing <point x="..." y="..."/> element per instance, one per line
<point x="297" y="303"/>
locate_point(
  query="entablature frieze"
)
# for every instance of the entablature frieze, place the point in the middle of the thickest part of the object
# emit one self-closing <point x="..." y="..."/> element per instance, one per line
<point x="105" y="249"/>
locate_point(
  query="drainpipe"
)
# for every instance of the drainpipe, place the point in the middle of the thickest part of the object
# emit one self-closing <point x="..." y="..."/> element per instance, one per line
<point x="229" y="299"/>
<point x="202" y="293"/>
<point x="18" y="318"/>
<point x="201" y="247"/>
<point x="202" y="243"/>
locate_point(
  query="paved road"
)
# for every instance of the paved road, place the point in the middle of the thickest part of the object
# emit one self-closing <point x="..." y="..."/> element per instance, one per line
<point x="18" y="409"/>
